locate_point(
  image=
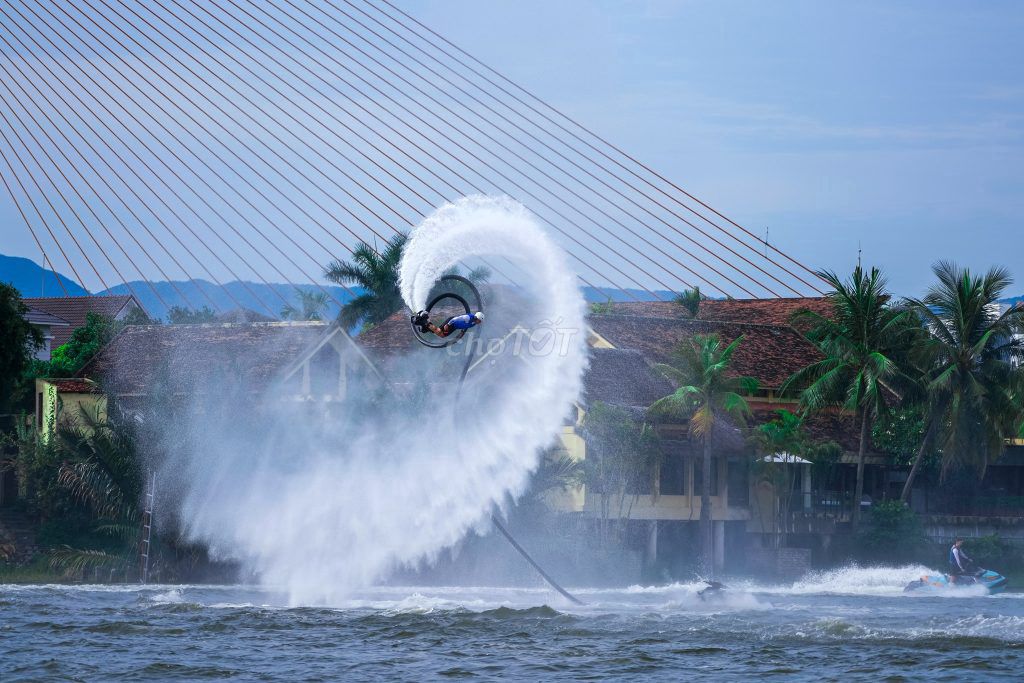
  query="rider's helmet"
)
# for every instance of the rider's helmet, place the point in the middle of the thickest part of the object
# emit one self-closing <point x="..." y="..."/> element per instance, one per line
<point x="479" y="315"/>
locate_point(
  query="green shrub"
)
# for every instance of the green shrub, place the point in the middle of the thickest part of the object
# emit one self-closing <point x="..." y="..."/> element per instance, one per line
<point x="894" y="536"/>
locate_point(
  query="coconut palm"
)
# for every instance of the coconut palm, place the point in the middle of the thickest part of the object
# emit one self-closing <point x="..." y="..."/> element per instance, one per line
<point x="690" y="300"/>
<point x="100" y="468"/>
<point x="310" y="306"/>
<point x="376" y="273"/>
<point x="976" y="375"/>
<point x="708" y="395"/>
<point x="860" y="344"/>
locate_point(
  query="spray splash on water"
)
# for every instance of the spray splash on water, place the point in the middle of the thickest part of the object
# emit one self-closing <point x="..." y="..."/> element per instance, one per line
<point x="322" y="509"/>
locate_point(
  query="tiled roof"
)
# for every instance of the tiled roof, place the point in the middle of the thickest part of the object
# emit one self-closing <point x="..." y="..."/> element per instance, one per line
<point x="38" y="316"/>
<point x="185" y="356"/>
<point x="74" y="386"/>
<point x="756" y="311"/>
<point x="623" y="377"/>
<point x="389" y="337"/>
<point x="768" y="353"/>
<point x="73" y="309"/>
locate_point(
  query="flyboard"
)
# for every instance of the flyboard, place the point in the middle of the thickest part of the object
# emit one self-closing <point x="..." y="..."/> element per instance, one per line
<point x="453" y="298"/>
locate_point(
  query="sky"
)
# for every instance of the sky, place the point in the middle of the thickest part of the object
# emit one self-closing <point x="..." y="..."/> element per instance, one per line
<point x="891" y="129"/>
<point x="897" y="128"/>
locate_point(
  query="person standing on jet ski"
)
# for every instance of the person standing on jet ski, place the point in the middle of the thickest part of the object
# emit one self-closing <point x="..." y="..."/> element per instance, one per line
<point x="959" y="563"/>
<point x="459" y="322"/>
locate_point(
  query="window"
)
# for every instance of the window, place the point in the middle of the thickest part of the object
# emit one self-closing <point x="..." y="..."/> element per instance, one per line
<point x="739" y="483"/>
<point x="698" y="475"/>
<point x="673" y="471"/>
<point x="39" y="411"/>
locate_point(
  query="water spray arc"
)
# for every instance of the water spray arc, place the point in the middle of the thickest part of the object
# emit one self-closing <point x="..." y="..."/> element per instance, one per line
<point x="321" y="508"/>
<point x="421" y="337"/>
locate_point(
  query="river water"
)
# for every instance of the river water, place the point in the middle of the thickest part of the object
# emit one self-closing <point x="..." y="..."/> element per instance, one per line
<point x="851" y="624"/>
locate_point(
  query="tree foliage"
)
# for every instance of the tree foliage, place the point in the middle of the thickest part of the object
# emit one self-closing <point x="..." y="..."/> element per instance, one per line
<point x="180" y="315"/>
<point x="18" y="342"/>
<point x="860" y="343"/>
<point x="690" y="300"/>
<point x="709" y="395"/>
<point x="376" y="273"/>
<point x="976" y="378"/>
<point x="309" y="306"/>
<point x="622" y="453"/>
<point x="85" y="342"/>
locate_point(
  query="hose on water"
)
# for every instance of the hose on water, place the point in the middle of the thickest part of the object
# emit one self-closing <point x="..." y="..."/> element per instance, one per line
<point x="470" y="356"/>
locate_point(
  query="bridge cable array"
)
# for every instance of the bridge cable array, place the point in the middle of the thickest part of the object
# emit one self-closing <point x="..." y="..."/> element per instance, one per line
<point x="265" y="140"/>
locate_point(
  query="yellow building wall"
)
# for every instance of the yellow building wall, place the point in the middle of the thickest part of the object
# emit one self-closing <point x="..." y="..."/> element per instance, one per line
<point x="57" y="406"/>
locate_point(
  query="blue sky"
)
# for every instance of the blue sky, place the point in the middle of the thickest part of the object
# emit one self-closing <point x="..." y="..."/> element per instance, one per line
<point x="896" y="127"/>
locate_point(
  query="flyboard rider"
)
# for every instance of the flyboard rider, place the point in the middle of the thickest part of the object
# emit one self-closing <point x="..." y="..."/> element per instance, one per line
<point x="459" y="322"/>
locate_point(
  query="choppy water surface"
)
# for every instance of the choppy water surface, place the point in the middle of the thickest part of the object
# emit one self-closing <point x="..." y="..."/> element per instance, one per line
<point x="850" y="624"/>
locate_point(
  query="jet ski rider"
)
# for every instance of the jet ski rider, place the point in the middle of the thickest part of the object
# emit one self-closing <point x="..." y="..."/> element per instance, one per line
<point x="959" y="563"/>
<point x="459" y="322"/>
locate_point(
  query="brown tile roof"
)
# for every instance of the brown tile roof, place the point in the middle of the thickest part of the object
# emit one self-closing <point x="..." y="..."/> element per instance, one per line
<point x="38" y="316"/>
<point x="73" y="309"/>
<point x="623" y="377"/>
<point x="74" y="386"/>
<point x="181" y="358"/>
<point x="390" y="337"/>
<point x="768" y="353"/>
<point x="756" y="311"/>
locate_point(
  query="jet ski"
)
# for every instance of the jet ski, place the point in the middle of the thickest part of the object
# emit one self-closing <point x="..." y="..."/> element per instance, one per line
<point x="993" y="582"/>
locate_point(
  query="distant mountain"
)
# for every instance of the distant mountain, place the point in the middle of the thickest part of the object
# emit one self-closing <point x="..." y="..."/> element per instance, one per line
<point x="31" y="279"/>
<point x="267" y="300"/>
<point x="1013" y="300"/>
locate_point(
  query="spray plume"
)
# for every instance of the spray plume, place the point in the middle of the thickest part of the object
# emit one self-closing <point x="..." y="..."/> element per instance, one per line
<point x="319" y="507"/>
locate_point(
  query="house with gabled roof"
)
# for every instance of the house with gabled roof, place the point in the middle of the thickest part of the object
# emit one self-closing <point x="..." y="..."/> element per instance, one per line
<point x="48" y="325"/>
<point x="73" y="310"/>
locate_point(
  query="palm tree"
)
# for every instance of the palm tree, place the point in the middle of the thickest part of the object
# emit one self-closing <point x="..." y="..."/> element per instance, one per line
<point x="101" y="470"/>
<point x="310" y="306"/>
<point x="976" y="375"/>
<point x="376" y="273"/>
<point x="690" y="300"/>
<point x="860" y="344"/>
<point x="708" y="394"/>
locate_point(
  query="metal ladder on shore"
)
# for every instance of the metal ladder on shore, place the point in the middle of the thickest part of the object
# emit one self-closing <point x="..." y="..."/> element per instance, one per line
<point x="147" y="528"/>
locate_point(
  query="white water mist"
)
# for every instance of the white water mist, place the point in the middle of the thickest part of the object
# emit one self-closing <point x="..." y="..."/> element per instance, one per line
<point x="322" y="509"/>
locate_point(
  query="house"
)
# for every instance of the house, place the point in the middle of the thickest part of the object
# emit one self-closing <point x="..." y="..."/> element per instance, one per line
<point x="311" y="361"/>
<point x="48" y="325"/>
<point x="626" y="340"/>
<point x="73" y="399"/>
<point x="73" y="310"/>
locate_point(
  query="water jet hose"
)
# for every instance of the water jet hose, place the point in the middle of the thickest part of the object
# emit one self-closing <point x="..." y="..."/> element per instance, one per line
<point x="462" y="378"/>
<point x="522" y="551"/>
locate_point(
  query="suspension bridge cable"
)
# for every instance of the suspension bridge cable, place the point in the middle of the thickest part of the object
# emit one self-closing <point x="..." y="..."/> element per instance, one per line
<point x="584" y="247"/>
<point x="627" y="244"/>
<point x="403" y="63"/>
<point x="54" y="164"/>
<point x="563" y="156"/>
<point x="128" y="231"/>
<point x="505" y="177"/>
<point x="130" y="148"/>
<point x="295" y="119"/>
<point x="206" y="165"/>
<point x="46" y="197"/>
<point x="224" y="128"/>
<point x="595" y="136"/>
<point x="24" y="217"/>
<point x="477" y="142"/>
<point x="341" y="122"/>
